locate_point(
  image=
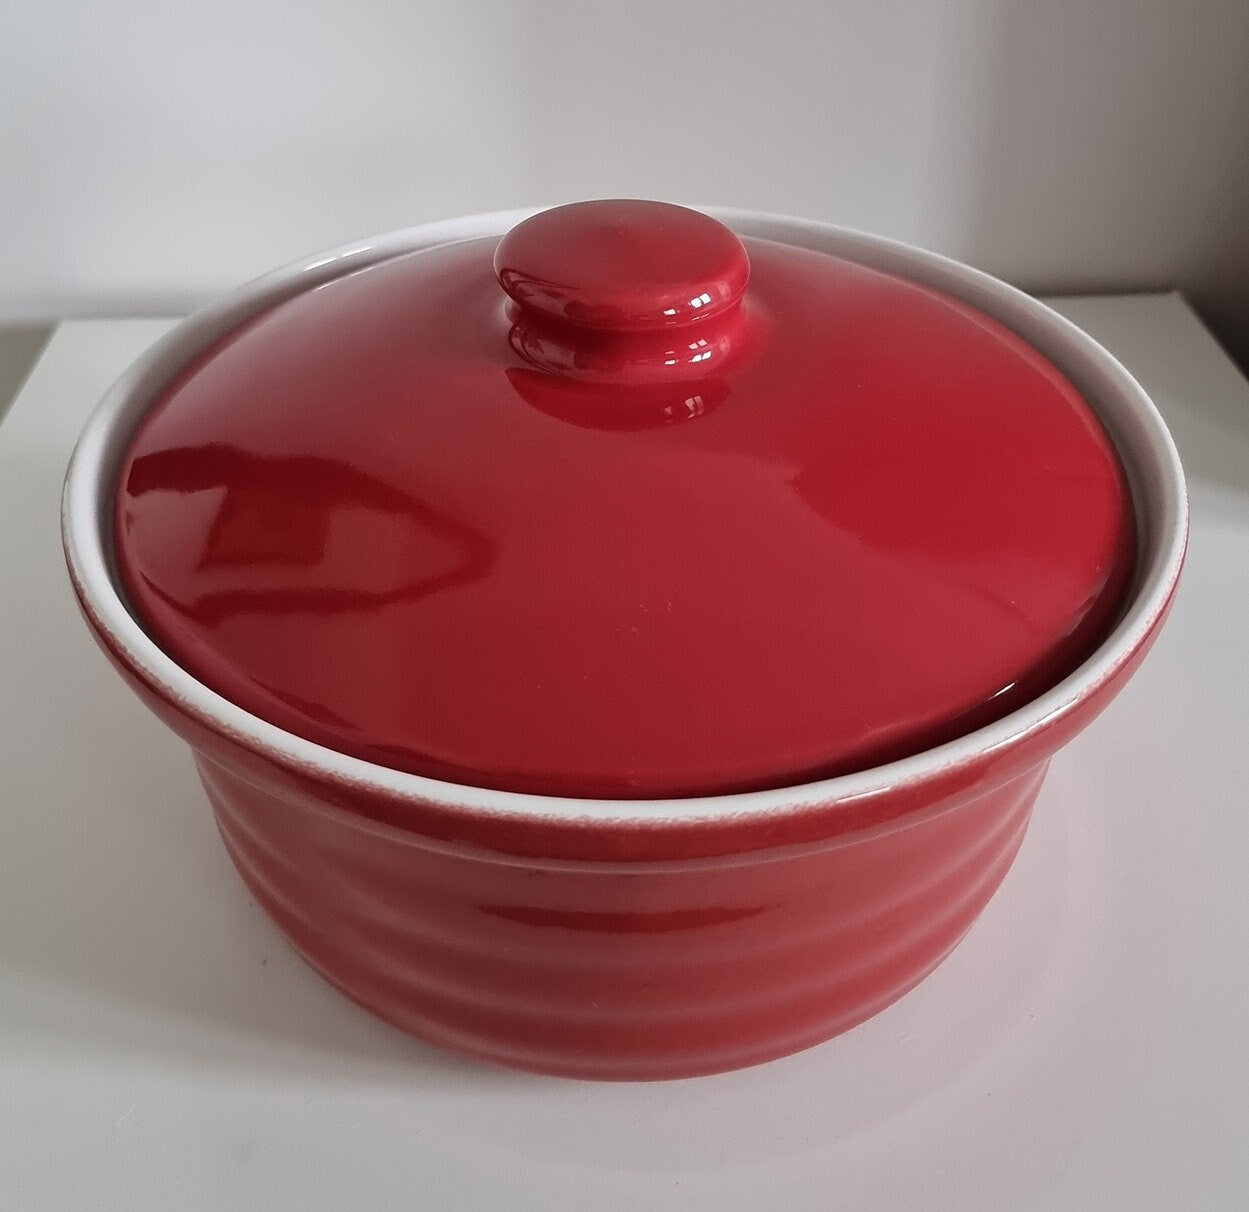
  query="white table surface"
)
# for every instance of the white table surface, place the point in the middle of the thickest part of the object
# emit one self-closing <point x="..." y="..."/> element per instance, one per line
<point x="1084" y="1048"/>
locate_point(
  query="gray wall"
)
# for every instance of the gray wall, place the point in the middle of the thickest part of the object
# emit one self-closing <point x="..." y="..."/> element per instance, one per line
<point x="155" y="153"/>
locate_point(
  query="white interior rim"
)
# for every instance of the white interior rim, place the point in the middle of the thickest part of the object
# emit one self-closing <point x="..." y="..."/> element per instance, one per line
<point x="1139" y="432"/>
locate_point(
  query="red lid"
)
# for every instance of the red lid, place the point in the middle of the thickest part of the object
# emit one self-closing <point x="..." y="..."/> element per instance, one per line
<point x="645" y="529"/>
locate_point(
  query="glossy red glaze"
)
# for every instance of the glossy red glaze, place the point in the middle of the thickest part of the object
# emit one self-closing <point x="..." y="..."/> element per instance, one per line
<point x="616" y="951"/>
<point x="625" y="293"/>
<point x="653" y="974"/>
<point x="613" y="939"/>
<point x="623" y="266"/>
<point x="867" y="520"/>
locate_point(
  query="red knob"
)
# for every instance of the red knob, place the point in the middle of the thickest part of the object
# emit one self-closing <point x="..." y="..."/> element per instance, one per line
<point x="623" y="273"/>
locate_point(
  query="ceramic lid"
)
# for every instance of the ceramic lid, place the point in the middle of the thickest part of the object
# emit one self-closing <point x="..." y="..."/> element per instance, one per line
<point x="622" y="505"/>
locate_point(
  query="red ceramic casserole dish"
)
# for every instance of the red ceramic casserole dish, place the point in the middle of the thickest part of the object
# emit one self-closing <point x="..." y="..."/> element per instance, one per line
<point x="619" y="641"/>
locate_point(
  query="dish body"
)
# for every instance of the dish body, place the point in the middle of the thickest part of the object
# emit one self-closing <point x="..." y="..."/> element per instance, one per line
<point x="630" y="939"/>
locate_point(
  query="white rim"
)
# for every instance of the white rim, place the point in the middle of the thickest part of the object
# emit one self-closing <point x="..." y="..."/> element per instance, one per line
<point x="1141" y="436"/>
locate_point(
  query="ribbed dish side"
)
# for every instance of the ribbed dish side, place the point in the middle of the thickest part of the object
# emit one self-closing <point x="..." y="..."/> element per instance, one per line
<point x="628" y="973"/>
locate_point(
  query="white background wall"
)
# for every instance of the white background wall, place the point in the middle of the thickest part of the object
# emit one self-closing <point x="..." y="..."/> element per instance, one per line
<point x="153" y="151"/>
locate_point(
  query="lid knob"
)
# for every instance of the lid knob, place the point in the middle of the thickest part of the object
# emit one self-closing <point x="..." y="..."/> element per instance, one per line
<point x="624" y="292"/>
<point x="623" y="266"/>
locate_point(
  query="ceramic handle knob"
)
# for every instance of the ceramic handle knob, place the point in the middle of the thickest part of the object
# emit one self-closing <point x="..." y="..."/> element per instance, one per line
<point x="615" y="286"/>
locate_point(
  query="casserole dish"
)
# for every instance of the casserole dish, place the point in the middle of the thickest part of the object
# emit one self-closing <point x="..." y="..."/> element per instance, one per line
<point x="622" y="641"/>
